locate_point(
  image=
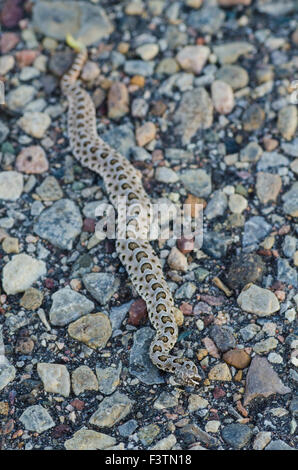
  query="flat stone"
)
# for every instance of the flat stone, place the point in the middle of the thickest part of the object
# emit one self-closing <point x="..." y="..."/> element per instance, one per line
<point x="290" y="201"/>
<point x="67" y="306"/>
<point x="220" y="372"/>
<point x="7" y="373"/>
<point x="49" y="190"/>
<point x="111" y="410"/>
<point x="166" y="400"/>
<point x="85" y="22"/>
<point x="167" y="443"/>
<point x="194" y="112"/>
<point x="196" y="402"/>
<point x="102" y="286"/>
<point x="197" y="182"/>
<point x="93" y="329"/>
<point x="21" y="272"/>
<point x="278" y="444"/>
<point x="229" y="53"/>
<point x="118" y="100"/>
<point x="32" y="160"/>
<point x="222" y="97"/>
<point x="55" y="378"/>
<point x="237" y="435"/>
<point x="147" y="51"/>
<point x="237" y="358"/>
<point x="237" y="203"/>
<point x="140" y="364"/>
<point x="10" y="245"/>
<point x="82" y="379"/>
<point x="272" y="160"/>
<point x="255" y="299"/>
<point x="32" y="299"/>
<point x="262" y="440"/>
<point x="193" y="58"/>
<point x="217" y="205"/>
<point x="287" y="121"/>
<point x="249" y="331"/>
<point x="36" y="419"/>
<point x="167" y="66"/>
<point x="207" y="20"/>
<point x="35" y="123"/>
<point x="251" y="153"/>
<point x="60" y="224"/>
<point x="147" y="434"/>
<point x="11" y="185"/>
<point x="255" y="230"/>
<point x="244" y="269"/>
<point x="223" y="337"/>
<point x="108" y="378"/>
<point x="166" y="175"/>
<point x="262" y="381"/>
<point x="285" y="273"/>
<point x="128" y="428"/>
<point x="145" y="133"/>
<point x="18" y="98"/>
<point x="86" y="439"/>
<point x="139" y="67"/>
<point x="253" y="118"/>
<point x="236" y="76"/>
<point x="266" y="345"/>
<point x="268" y="187"/>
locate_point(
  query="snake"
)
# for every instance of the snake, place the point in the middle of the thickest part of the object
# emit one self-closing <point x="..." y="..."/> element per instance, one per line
<point x="123" y="181"/>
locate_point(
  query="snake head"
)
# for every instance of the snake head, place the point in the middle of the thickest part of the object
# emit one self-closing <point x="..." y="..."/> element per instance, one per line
<point x="188" y="374"/>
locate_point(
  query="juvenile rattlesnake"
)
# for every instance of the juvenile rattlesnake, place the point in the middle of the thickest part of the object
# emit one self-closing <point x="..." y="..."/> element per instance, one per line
<point x="123" y="180"/>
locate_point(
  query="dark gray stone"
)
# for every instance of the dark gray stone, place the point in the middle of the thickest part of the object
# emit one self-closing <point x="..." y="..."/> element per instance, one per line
<point x="223" y="337"/>
<point x="255" y="230"/>
<point x="236" y="435"/>
<point x="101" y="286"/>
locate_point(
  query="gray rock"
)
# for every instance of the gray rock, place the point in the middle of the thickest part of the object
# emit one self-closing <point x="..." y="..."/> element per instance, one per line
<point x="7" y="373"/>
<point x="278" y="445"/>
<point x="261" y="302"/>
<point x="111" y="410"/>
<point x="207" y="19"/>
<point x="87" y="23"/>
<point x="166" y="175"/>
<point x="249" y="331"/>
<point x="289" y="246"/>
<point x="68" y="305"/>
<point x="60" y="224"/>
<point x="18" y="98"/>
<point x="197" y="182"/>
<point x="4" y="131"/>
<point x="117" y="314"/>
<point x="215" y="244"/>
<point x="55" y="378"/>
<point x="237" y="435"/>
<point x="186" y="291"/>
<point x="49" y="190"/>
<point x="251" y="153"/>
<point x="223" y="337"/>
<point x="36" y="419"/>
<point x="86" y="439"/>
<point x="217" y="205"/>
<point x="285" y="273"/>
<point x="290" y="201"/>
<point x="271" y="160"/>
<point x="128" y="428"/>
<point x="228" y="53"/>
<point x="294" y="406"/>
<point x="139" y="67"/>
<point x="140" y="364"/>
<point x="108" y="378"/>
<point x="102" y="286"/>
<point x="82" y="379"/>
<point x="122" y="138"/>
<point x="234" y="75"/>
<point x="11" y="185"/>
<point x="255" y="230"/>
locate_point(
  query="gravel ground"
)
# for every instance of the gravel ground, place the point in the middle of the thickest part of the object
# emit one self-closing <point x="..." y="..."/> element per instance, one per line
<point x="201" y="97"/>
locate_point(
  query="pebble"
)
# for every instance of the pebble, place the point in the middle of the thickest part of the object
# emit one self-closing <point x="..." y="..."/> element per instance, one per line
<point x="215" y="244"/>
<point x="262" y="439"/>
<point x="35" y="123"/>
<point x="222" y="97"/>
<point x="244" y="269"/>
<point x="67" y="306"/>
<point x="7" y="63"/>
<point x="94" y="330"/>
<point x="207" y="20"/>
<point x="253" y="118"/>
<point x="167" y="66"/>
<point x="128" y="428"/>
<point x="86" y="22"/>
<point x="138" y="313"/>
<point x="268" y="187"/>
<point x="4" y="131"/>
<point x="32" y="299"/>
<point x="197" y="182"/>
<point x="90" y="71"/>
<point x="271" y="160"/>
<point x="29" y="73"/>
<point x="237" y="435"/>
<point x="167" y="443"/>
<point x="285" y="273"/>
<point x="36" y="419"/>
<point x="11" y="185"/>
<point x="108" y="378"/>
<point x="177" y="260"/>
<point x="265" y="346"/>
<point x="147" y="434"/>
<point x="7" y="372"/>
<point x="111" y="410"/>
<point x="220" y="372"/>
<point x="145" y="133"/>
<point x="32" y="160"/>
<point x="249" y="331"/>
<point x="251" y="153"/>
<point x="147" y="51"/>
<point x="8" y="41"/>
<point x="55" y="378"/>
<point x="166" y="400"/>
<point x="234" y="75"/>
<point x="255" y="230"/>
<point x="118" y="100"/>
<point x="193" y="58"/>
<point x="87" y="439"/>
<point x="10" y="245"/>
<point x="237" y="203"/>
<point x="101" y="286"/>
<point x="287" y="121"/>
<point x="223" y="337"/>
<point x="49" y="190"/>
<point x="278" y="444"/>
<point x="229" y="53"/>
<point x="82" y="379"/>
<point x="140" y="364"/>
<point x="139" y="108"/>
<point x="196" y="402"/>
<point x="21" y="272"/>
<point x="195" y="112"/>
<point x="255" y="299"/>
<point x="262" y="381"/>
<point x="166" y="175"/>
<point x="18" y="98"/>
<point x="139" y="67"/>
<point x="237" y="358"/>
<point x="290" y="201"/>
<point x="60" y="224"/>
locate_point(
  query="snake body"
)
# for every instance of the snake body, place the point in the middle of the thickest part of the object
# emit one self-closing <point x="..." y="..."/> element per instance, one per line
<point x="122" y="180"/>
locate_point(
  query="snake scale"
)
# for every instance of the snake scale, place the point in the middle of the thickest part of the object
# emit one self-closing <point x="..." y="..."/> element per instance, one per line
<point x="136" y="253"/>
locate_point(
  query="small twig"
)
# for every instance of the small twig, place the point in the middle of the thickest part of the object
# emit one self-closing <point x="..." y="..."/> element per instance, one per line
<point x="222" y="286"/>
